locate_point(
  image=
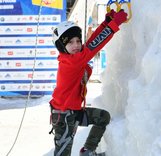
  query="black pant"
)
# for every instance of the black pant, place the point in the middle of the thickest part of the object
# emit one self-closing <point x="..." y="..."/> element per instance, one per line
<point x="97" y="117"/>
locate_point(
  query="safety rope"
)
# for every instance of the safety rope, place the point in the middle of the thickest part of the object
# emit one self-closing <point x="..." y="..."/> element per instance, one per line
<point x="31" y="83"/>
<point x="84" y="88"/>
<point x="85" y="24"/>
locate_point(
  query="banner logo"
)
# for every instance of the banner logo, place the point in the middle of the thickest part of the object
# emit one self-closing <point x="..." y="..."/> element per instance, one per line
<point x="58" y="4"/>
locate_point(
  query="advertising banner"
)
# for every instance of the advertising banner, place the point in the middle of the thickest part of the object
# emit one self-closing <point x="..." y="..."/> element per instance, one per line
<point x="27" y="54"/>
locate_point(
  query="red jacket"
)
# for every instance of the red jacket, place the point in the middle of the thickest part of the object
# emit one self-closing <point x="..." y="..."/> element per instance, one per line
<point x="67" y="94"/>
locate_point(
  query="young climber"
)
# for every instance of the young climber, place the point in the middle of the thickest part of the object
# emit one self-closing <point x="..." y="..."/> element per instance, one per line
<point x="68" y="103"/>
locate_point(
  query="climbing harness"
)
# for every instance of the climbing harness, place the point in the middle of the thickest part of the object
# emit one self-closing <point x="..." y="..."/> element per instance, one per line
<point x="64" y="140"/>
<point x="31" y="83"/>
<point x="119" y="4"/>
<point x="82" y="119"/>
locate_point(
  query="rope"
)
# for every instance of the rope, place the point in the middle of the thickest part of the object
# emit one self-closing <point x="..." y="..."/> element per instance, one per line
<point x="85" y="25"/>
<point x="29" y="93"/>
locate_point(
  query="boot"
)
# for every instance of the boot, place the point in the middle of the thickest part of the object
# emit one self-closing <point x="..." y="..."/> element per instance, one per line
<point x="86" y="152"/>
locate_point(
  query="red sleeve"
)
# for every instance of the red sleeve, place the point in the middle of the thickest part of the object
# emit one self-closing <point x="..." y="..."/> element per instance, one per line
<point x="100" y="37"/>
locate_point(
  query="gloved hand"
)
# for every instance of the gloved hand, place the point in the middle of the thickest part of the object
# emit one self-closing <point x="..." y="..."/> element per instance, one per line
<point x="109" y="16"/>
<point x="120" y="17"/>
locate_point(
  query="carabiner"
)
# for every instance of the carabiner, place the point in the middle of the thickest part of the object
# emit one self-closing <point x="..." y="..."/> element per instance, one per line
<point x="128" y="3"/>
<point x="119" y="5"/>
<point x="110" y="2"/>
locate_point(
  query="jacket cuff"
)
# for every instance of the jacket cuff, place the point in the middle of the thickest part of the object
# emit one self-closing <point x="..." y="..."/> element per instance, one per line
<point x="108" y="19"/>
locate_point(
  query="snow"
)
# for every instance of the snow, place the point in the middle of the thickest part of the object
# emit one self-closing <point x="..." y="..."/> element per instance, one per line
<point x="34" y="138"/>
<point x="130" y="91"/>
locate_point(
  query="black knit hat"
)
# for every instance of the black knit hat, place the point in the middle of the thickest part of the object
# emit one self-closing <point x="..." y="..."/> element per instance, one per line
<point x="66" y="37"/>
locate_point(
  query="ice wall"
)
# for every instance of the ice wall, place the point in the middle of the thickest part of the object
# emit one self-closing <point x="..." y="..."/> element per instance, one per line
<point x="132" y="82"/>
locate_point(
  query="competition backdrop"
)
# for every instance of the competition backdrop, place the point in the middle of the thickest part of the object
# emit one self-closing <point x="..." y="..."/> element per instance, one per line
<point x="18" y="31"/>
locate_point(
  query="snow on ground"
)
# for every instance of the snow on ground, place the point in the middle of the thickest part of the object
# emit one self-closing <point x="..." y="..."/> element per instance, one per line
<point x="34" y="139"/>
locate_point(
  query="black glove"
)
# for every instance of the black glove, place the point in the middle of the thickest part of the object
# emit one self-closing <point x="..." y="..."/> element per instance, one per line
<point x="109" y="16"/>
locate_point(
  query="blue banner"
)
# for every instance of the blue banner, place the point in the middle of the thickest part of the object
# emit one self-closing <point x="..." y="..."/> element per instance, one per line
<point x="26" y="43"/>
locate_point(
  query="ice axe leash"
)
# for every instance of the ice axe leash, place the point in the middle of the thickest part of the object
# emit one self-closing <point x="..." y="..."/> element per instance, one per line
<point x="119" y="4"/>
<point x="31" y="83"/>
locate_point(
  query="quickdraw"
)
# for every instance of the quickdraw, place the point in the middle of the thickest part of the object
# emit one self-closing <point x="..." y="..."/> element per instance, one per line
<point x="119" y="4"/>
